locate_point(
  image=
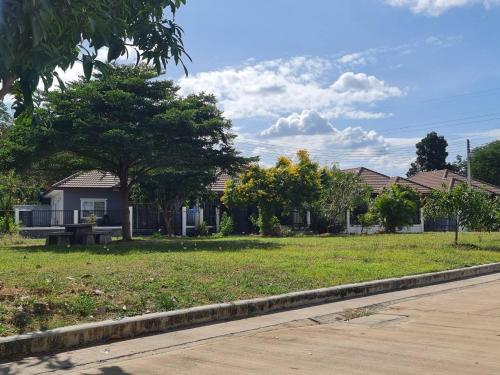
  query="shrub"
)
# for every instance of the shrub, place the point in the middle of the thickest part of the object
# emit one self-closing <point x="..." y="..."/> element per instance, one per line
<point x="8" y="225"/>
<point x="367" y="220"/>
<point x="226" y="224"/>
<point x="83" y="305"/>
<point x="202" y="229"/>
<point x="396" y="207"/>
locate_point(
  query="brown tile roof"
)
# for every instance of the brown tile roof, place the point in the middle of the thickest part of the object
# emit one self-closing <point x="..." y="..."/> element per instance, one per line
<point x="90" y="179"/>
<point x="220" y="183"/>
<point x="446" y="179"/>
<point x="377" y="181"/>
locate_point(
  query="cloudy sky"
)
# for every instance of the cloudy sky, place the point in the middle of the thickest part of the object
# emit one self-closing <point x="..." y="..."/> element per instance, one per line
<point x="356" y="82"/>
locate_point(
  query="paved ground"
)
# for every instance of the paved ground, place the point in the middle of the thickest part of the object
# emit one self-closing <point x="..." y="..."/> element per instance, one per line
<point x="450" y="328"/>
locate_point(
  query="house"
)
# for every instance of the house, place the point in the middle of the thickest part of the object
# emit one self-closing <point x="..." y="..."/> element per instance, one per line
<point x="95" y="195"/>
<point x="444" y="179"/>
<point x="92" y="193"/>
<point x="377" y="182"/>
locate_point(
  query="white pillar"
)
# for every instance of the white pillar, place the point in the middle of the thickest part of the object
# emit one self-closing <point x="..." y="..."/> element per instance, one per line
<point x="184" y="221"/>
<point x="131" y="220"/>
<point x="348" y="222"/>
<point x="16" y="216"/>
<point x="217" y="219"/>
<point x="422" y="219"/>
<point x="200" y="217"/>
<point x="75" y="217"/>
<point x="308" y="218"/>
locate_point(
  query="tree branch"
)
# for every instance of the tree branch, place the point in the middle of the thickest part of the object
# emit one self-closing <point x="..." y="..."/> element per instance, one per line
<point x="7" y="83"/>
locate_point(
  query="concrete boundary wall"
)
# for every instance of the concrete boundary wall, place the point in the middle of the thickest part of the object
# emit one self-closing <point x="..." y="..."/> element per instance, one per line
<point x="94" y="333"/>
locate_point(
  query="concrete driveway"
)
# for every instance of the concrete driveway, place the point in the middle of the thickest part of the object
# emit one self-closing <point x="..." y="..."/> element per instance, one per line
<point x="450" y="328"/>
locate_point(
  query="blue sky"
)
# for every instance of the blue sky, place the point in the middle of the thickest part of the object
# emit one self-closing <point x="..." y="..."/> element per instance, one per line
<point x="355" y="82"/>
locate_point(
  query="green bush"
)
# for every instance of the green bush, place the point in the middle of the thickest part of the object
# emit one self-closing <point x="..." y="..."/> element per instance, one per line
<point x="202" y="229"/>
<point x="226" y="224"/>
<point x="8" y="225"/>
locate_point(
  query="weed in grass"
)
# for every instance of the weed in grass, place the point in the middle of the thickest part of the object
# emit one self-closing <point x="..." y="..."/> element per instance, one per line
<point x="166" y="302"/>
<point x="83" y="305"/>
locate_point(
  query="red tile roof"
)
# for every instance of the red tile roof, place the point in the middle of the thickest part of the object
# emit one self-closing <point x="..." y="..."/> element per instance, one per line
<point x="445" y="179"/>
<point x="377" y="181"/>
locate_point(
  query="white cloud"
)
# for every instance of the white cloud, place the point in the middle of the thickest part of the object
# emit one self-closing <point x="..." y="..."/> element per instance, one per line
<point x="277" y="87"/>
<point x="307" y="122"/>
<point x="437" y="7"/>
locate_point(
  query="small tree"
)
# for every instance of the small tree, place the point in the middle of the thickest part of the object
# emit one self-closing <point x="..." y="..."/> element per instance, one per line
<point x="470" y="208"/>
<point x="275" y="190"/>
<point x="396" y="207"/>
<point x="340" y="191"/>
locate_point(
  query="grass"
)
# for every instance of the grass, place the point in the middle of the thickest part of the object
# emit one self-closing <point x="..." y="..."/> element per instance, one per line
<point x="46" y="287"/>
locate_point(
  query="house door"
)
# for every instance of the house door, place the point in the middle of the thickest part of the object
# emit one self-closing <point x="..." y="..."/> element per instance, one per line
<point x="57" y="212"/>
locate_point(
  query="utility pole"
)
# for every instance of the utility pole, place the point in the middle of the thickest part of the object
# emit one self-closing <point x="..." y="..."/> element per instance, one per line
<point x="469" y="172"/>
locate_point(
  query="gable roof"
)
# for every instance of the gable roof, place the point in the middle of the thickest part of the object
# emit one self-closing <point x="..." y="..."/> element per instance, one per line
<point x="91" y="179"/>
<point x="450" y="179"/>
<point x="106" y="180"/>
<point x="377" y="181"/>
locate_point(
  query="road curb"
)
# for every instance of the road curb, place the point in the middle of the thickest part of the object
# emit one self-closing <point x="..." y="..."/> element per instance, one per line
<point x="71" y="337"/>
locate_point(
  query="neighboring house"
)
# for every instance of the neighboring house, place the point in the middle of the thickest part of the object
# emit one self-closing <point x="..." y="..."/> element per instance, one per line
<point x="86" y="196"/>
<point x="377" y="182"/>
<point x="93" y="193"/>
<point x="444" y="179"/>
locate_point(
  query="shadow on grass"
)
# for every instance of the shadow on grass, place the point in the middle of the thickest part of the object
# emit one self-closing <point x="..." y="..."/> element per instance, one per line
<point x="161" y="246"/>
<point x="471" y="246"/>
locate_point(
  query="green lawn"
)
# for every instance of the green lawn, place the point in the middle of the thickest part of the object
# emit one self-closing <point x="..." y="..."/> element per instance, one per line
<point x="44" y="287"/>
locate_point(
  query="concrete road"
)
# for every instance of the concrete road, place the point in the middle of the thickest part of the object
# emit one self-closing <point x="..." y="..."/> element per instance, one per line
<point x="450" y="328"/>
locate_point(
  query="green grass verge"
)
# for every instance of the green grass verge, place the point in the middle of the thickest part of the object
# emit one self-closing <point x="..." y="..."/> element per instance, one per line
<point x="46" y="287"/>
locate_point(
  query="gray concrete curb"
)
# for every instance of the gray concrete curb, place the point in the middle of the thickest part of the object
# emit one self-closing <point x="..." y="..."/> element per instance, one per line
<point x="93" y="333"/>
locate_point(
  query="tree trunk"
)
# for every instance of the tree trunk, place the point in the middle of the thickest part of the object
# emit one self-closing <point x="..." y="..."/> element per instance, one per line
<point x="124" y="198"/>
<point x="456" y="234"/>
<point x="167" y="218"/>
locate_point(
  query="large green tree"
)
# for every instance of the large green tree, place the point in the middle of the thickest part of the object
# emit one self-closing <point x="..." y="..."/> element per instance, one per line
<point x="37" y="36"/>
<point x="485" y="163"/>
<point x="276" y="190"/>
<point x="431" y="154"/>
<point x="127" y="123"/>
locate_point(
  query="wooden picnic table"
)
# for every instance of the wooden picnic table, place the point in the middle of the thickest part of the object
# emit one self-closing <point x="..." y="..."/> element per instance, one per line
<point x="82" y="233"/>
<point x="79" y="234"/>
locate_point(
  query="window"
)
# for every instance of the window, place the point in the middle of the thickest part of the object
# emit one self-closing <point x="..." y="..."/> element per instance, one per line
<point x="91" y="206"/>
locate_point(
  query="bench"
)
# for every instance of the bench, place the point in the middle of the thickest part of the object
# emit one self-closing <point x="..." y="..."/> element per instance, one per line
<point x="102" y="238"/>
<point x="59" y="238"/>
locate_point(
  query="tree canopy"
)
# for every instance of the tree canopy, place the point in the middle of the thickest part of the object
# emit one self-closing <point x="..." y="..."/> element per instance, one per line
<point x="38" y="36"/>
<point x="485" y="163"/>
<point x="129" y="124"/>
<point x="340" y="191"/>
<point x="396" y="207"/>
<point x="471" y="208"/>
<point x="431" y="154"/>
<point x="276" y="190"/>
